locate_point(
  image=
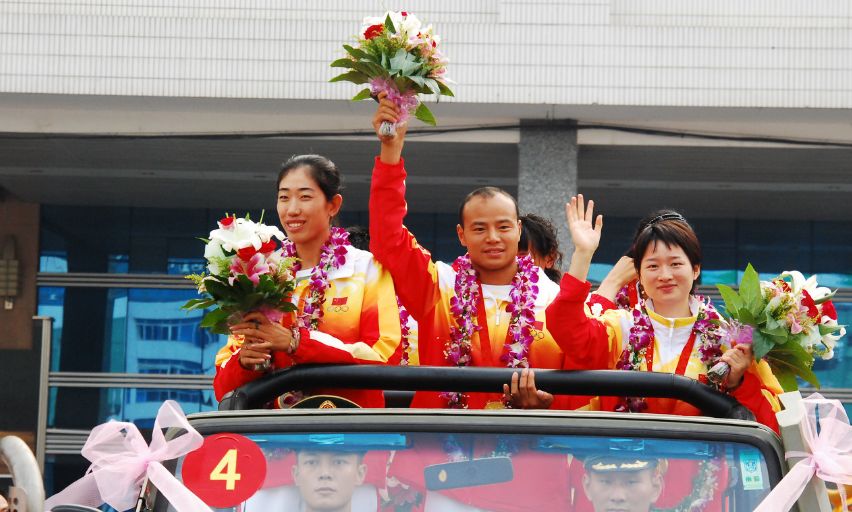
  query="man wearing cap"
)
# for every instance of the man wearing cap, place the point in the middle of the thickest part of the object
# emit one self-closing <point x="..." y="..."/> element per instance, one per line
<point x="622" y="484"/>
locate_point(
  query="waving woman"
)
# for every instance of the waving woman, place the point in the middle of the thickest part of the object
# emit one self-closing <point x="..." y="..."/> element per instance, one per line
<point x="347" y="310"/>
<point x="670" y="329"/>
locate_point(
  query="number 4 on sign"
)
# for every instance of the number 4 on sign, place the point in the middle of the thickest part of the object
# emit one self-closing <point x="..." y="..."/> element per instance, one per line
<point x="226" y="470"/>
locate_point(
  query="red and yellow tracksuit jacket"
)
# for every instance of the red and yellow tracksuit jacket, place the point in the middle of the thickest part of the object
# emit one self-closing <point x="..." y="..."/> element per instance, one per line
<point x="360" y="324"/>
<point x="425" y="288"/>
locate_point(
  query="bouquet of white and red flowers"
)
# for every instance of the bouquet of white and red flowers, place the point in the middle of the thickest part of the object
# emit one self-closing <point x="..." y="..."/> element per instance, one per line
<point x="398" y="55"/>
<point x="246" y="271"/>
<point x="788" y="320"/>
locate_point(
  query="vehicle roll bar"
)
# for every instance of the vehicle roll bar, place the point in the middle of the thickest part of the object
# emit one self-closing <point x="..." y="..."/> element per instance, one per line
<point x="440" y="378"/>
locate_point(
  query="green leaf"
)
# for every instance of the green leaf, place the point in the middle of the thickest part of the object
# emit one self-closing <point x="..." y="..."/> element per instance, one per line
<point x="389" y="25"/>
<point x="424" y="114"/>
<point x="433" y="86"/>
<point x="364" y="94"/>
<point x="214" y="317"/>
<point x="827" y="298"/>
<point x="244" y="283"/>
<point x="750" y="291"/>
<point x="251" y="301"/>
<point x="198" y="304"/>
<point x="218" y="290"/>
<point x="787" y="379"/>
<point x="343" y="63"/>
<point x="745" y="316"/>
<point x="829" y="329"/>
<point x="445" y="90"/>
<point x="355" y="52"/>
<point x="733" y="302"/>
<point x="355" y="77"/>
<point x="404" y="63"/>
<point x="761" y="344"/>
<point x="374" y="69"/>
<point x="403" y="83"/>
<point x="792" y="358"/>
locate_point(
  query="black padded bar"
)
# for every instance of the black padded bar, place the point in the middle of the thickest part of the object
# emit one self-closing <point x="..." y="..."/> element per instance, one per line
<point x="439" y="378"/>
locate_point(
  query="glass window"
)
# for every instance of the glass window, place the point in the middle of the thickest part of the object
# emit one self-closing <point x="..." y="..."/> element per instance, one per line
<point x="487" y="471"/>
<point x="82" y="408"/>
<point x="122" y="240"/>
<point x="114" y="329"/>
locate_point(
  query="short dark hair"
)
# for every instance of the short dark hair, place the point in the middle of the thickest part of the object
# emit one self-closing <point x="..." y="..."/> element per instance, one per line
<point x="322" y="170"/>
<point x="539" y="234"/>
<point x="486" y="192"/>
<point x="670" y="228"/>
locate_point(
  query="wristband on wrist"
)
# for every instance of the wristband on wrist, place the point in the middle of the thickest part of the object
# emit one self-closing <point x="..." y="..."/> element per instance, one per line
<point x="294" y="342"/>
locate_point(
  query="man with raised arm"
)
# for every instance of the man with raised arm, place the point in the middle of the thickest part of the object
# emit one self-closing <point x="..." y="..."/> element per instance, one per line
<point x="485" y="309"/>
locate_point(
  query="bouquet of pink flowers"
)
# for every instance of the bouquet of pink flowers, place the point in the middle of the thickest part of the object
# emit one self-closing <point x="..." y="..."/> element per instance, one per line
<point x="398" y="55"/>
<point x="246" y="271"/>
<point x="788" y="320"/>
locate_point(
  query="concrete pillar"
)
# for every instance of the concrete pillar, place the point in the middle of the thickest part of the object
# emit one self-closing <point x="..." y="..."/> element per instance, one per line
<point x="547" y="173"/>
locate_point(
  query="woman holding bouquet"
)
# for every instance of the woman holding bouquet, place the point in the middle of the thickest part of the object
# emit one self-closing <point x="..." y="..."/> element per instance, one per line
<point x="670" y="329"/>
<point x="347" y="310"/>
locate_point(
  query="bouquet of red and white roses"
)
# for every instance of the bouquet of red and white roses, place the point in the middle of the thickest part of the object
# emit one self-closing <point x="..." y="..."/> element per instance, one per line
<point x="398" y="55"/>
<point x="246" y="271"/>
<point x="789" y="320"/>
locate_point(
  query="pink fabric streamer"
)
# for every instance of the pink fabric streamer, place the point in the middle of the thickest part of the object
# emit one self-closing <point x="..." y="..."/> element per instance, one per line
<point x="121" y="460"/>
<point x="830" y="456"/>
<point x="407" y="102"/>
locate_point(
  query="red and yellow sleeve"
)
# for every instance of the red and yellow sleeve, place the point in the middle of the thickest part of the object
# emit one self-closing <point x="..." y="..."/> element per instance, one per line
<point x="230" y="374"/>
<point x="587" y="343"/>
<point x="414" y="273"/>
<point x="759" y="393"/>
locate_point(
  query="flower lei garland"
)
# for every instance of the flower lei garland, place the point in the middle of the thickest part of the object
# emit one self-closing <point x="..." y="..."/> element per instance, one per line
<point x="332" y="256"/>
<point x="405" y="331"/>
<point x="703" y="487"/>
<point x="707" y="336"/>
<point x="622" y="298"/>
<point x="464" y="310"/>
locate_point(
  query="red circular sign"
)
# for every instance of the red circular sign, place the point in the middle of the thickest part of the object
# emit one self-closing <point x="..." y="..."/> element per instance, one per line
<point x="227" y="470"/>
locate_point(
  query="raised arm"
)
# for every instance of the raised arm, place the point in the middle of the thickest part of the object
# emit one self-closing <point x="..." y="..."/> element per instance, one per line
<point x="414" y="274"/>
<point x="585" y="232"/>
<point x="587" y="343"/>
<point x="622" y="273"/>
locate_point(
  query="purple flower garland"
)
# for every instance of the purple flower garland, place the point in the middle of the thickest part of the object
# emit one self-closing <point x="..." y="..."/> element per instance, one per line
<point x="522" y="309"/>
<point x="641" y="337"/>
<point x="332" y="256"/>
<point x="405" y="331"/>
<point x="463" y="306"/>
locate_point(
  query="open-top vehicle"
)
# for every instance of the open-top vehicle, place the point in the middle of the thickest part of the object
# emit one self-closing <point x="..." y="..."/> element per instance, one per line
<point x="500" y="460"/>
<point x="331" y="457"/>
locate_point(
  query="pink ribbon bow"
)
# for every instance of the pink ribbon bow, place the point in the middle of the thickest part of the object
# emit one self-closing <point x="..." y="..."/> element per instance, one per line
<point x="830" y="456"/>
<point x="121" y="460"/>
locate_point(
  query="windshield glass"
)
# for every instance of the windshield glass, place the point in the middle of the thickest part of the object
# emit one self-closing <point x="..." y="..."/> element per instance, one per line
<point x="502" y="472"/>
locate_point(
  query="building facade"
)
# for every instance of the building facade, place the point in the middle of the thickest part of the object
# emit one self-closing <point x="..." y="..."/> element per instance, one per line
<point x="128" y="127"/>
